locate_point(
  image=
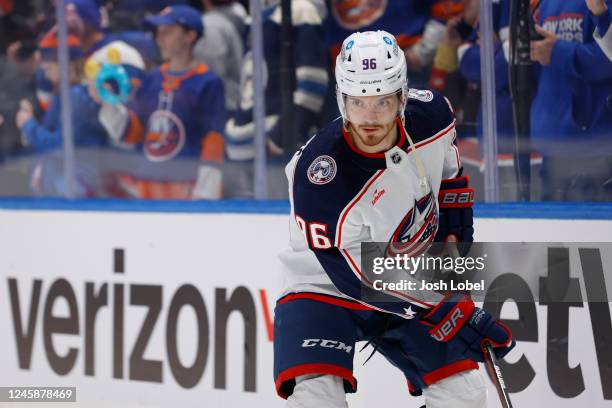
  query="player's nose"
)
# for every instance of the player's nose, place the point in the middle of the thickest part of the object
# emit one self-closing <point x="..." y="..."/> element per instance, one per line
<point x="370" y="114"/>
<point x="370" y="117"/>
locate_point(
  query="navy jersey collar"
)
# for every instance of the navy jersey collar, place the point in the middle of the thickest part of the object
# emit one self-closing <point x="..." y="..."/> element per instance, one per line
<point x="373" y="161"/>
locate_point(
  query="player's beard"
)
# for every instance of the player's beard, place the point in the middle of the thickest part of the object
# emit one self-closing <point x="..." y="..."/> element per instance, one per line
<point x="372" y="135"/>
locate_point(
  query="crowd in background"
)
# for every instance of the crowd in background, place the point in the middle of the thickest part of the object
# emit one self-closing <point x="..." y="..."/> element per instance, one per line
<point x="180" y="125"/>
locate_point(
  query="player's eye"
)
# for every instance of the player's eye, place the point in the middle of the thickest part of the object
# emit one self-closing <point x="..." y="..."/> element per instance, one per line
<point x="356" y="103"/>
<point x="383" y="104"/>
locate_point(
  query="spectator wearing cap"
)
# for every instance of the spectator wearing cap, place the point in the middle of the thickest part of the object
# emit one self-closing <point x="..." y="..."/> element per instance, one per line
<point x="93" y="36"/>
<point x="177" y="29"/>
<point x="176" y="117"/>
<point x="89" y="28"/>
<point x="46" y="135"/>
<point x="34" y="133"/>
<point x="83" y="20"/>
<point x="603" y="30"/>
<point x="86" y="19"/>
<point x="222" y="48"/>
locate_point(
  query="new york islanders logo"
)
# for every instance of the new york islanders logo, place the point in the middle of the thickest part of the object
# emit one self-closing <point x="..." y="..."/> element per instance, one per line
<point x="354" y="14"/>
<point x="322" y="170"/>
<point x="165" y="136"/>
<point x="567" y="26"/>
<point x="417" y="230"/>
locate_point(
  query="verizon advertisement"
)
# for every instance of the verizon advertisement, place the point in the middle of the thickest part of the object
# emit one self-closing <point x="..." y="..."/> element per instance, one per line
<point x="145" y="309"/>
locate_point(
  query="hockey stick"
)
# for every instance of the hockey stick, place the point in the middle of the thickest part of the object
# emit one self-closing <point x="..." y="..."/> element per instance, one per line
<point x="496" y="376"/>
<point x="490" y="359"/>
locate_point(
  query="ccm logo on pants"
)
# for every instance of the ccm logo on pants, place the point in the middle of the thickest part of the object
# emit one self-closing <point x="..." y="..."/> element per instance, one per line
<point x="338" y="345"/>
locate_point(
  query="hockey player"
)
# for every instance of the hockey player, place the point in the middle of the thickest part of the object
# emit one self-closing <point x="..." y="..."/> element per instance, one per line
<point x="177" y="118"/>
<point x="374" y="175"/>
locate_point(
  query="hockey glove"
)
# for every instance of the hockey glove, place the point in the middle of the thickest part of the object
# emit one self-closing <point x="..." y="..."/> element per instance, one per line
<point x="456" y="216"/>
<point x="465" y="327"/>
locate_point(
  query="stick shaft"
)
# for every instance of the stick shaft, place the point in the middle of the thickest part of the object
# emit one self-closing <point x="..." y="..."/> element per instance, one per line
<point x="496" y="376"/>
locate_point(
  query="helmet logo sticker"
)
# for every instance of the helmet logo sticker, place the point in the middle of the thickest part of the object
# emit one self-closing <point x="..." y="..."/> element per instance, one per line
<point x="387" y="40"/>
<point x="350" y="45"/>
<point x="322" y="170"/>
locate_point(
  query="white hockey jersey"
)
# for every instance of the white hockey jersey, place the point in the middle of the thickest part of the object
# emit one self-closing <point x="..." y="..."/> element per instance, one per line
<point x="341" y="197"/>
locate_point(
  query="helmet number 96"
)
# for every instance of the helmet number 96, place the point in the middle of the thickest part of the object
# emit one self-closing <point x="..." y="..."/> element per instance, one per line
<point x="369" y="63"/>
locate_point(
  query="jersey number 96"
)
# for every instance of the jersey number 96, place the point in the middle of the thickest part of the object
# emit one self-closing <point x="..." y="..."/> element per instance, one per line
<point x="314" y="232"/>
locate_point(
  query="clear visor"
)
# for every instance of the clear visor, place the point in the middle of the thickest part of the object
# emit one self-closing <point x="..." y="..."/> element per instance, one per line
<point x="359" y="105"/>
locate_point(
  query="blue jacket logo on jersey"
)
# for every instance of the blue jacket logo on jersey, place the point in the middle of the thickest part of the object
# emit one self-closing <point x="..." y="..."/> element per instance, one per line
<point x="423" y="95"/>
<point x="417" y="230"/>
<point x="165" y="136"/>
<point x="322" y="170"/>
<point x="352" y="14"/>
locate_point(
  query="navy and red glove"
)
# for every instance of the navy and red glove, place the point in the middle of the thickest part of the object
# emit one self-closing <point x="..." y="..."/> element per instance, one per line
<point x="456" y="222"/>
<point x="457" y="321"/>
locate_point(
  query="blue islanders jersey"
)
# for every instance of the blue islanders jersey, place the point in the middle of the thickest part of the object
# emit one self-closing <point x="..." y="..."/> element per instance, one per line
<point x="47" y="177"/>
<point x="174" y="117"/>
<point x="573" y="101"/>
<point x="341" y="197"/>
<point x="405" y="19"/>
<point x="87" y="131"/>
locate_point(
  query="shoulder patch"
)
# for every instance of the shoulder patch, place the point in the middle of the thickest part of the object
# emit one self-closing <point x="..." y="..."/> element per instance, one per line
<point x="322" y="170"/>
<point x="423" y="95"/>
